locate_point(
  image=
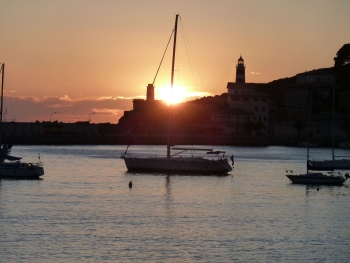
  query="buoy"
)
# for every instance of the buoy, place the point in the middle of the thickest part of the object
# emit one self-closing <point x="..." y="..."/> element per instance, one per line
<point x="130" y="184"/>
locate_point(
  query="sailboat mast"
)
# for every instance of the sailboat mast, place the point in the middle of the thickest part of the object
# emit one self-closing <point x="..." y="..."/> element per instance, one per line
<point x="2" y="89"/>
<point x="308" y="136"/>
<point x="172" y="84"/>
<point x="333" y="131"/>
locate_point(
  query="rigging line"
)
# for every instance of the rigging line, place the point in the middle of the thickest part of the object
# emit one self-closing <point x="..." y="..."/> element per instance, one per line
<point x="138" y="120"/>
<point x="163" y="56"/>
<point x="194" y="61"/>
<point x="189" y="58"/>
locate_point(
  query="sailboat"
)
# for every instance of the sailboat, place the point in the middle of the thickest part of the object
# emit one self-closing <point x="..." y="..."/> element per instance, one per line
<point x="330" y="164"/>
<point x="314" y="175"/>
<point x="214" y="162"/>
<point x="10" y="166"/>
<point x="331" y="178"/>
<point x="317" y="176"/>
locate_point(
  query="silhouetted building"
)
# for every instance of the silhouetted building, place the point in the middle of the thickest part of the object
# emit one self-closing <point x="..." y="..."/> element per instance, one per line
<point x="243" y="96"/>
<point x="228" y="121"/>
<point x="319" y="81"/>
<point x="150" y="92"/>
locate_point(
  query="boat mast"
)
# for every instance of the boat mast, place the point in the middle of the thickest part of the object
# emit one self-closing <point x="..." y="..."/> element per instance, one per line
<point x="333" y="132"/>
<point x="171" y="88"/>
<point x="308" y="136"/>
<point x="2" y="89"/>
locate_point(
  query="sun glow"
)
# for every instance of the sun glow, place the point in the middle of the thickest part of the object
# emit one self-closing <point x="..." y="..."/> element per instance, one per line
<point x="172" y="96"/>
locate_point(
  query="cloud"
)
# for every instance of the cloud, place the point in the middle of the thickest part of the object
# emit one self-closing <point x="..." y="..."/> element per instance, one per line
<point x="31" y="109"/>
<point x="107" y="108"/>
<point x="255" y="73"/>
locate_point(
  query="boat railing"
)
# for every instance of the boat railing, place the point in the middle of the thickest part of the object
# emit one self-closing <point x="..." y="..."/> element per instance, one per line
<point x="142" y="155"/>
<point x="162" y="156"/>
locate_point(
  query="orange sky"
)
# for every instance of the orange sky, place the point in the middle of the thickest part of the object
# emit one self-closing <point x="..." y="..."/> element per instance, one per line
<point x="76" y="57"/>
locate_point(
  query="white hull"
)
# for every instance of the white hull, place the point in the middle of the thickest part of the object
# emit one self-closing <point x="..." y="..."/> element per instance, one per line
<point x="317" y="178"/>
<point x="327" y="165"/>
<point x="177" y="164"/>
<point x="20" y="170"/>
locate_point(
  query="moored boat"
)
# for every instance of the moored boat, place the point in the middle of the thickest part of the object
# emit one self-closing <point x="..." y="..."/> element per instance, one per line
<point x="213" y="162"/>
<point x="330" y="178"/>
<point x="314" y="174"/>
<point x="11" y="167"/>
<point x="329" y="165"/>
<point x="21" y="170"/>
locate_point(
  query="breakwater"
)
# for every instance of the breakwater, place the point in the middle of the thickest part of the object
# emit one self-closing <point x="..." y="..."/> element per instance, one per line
<point x="85" y="133"/>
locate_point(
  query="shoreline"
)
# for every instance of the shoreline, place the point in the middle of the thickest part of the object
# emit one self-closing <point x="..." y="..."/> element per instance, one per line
<point x="161" y="139"/>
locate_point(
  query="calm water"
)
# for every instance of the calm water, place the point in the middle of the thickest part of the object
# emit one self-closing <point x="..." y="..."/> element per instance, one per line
<point x="84" y="211"/>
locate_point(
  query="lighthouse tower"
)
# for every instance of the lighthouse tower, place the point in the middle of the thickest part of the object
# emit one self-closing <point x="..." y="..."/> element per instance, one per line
<point x="240" y="71"/>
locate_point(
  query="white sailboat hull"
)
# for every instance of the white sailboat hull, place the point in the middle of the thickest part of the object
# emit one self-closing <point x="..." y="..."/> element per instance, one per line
<point x="20" y="170"/>
<point x="327" y="165"/>
<point x="177" y="165"/>
<point x="317" y="178"/>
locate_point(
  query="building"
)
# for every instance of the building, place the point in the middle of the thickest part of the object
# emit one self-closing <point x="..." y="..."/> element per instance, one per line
<point x="319" y="81"/>
<point x="248" y="107"/>
<point x="228" y="121"/>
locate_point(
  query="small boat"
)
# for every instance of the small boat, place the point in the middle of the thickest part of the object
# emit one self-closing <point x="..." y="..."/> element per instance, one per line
<point x="329" y="178"/>
<point x="10" y="166"/>
<point x="20" y="170"/>
<point x="329" y="165"/>
<point x="314" y="174"/>
<point x="214" y="162"/>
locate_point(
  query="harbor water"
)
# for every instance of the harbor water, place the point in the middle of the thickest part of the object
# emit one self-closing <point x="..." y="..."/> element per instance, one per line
<point x="82" y="210"/>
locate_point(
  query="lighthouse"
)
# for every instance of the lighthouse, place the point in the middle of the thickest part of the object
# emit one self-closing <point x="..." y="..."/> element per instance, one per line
<point x="240" y="71"/>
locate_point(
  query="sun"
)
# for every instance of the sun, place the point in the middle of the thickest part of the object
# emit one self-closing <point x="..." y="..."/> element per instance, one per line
<point x="174" y="96"/>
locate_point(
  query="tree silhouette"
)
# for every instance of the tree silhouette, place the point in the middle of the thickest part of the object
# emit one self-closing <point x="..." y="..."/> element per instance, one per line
<point x="343" y="56"/>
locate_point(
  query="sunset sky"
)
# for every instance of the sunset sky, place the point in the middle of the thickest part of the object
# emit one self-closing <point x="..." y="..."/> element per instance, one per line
<point x="76" y="57"/>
